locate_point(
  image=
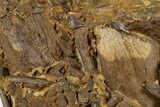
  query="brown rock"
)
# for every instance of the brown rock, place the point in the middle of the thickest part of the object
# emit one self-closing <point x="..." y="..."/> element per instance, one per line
<point x="127" y="60"/>
<point x="126" y="103"/>
<point x="61" y="101"/>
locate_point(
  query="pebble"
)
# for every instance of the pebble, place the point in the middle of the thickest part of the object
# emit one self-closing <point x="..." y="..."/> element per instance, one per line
<point x="4" y="71"/>
<point x="73" y="22"/>
<point x="153" y="89"/>
<point x="119" y="26"/>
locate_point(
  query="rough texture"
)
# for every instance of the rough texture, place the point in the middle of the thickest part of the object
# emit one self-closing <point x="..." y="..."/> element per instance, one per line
<point x="58" y="56"/>
<point x="127" y="60"/>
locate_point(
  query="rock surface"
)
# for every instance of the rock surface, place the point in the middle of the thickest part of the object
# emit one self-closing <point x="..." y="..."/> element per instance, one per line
<point x="127" y="60"/>
<point x="57" y="55"/>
